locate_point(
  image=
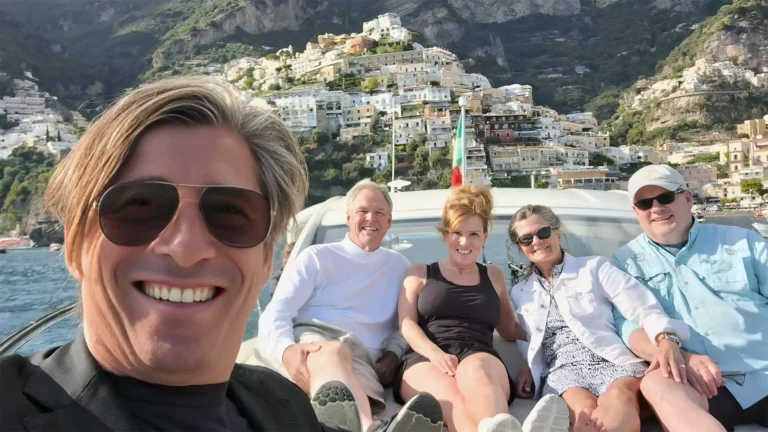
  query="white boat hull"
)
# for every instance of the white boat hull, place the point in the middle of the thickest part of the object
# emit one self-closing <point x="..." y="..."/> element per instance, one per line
<point x="761" y="228"/>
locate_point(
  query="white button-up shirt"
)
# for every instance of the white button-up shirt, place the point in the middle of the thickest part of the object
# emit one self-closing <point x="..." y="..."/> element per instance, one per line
<point x="587" y="291"/>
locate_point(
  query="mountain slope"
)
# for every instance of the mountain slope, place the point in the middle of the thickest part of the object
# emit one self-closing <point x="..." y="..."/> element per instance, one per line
<point x="686" y="96"/>
<point x="537" y="42"/>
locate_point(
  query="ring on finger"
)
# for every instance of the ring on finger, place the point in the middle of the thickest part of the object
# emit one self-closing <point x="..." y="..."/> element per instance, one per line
<point x="682" y="366"/>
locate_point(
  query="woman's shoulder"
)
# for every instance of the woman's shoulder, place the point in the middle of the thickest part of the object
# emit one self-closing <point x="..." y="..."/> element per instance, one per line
<point x="419" y="270"/>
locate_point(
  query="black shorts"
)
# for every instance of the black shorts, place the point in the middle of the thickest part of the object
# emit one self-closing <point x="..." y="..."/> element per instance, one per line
<point x="727" y="410"/>
<point x="461" y="351"/>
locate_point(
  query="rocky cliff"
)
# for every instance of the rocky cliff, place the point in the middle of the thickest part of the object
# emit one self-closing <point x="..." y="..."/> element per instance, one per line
<point x="680" y="98"/>
<point x="102" y="47"/>
<point x="439" y="21"/>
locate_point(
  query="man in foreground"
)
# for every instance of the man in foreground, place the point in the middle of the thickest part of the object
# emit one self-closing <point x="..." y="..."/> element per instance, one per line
<point x="715" y="279"/>
<point x="334" y="315"/>
<point x="171" y="204"/>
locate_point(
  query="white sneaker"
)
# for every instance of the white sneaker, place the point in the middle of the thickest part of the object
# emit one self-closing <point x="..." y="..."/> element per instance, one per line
<point x="499" y="423"/>
<point x="549" y="415"/>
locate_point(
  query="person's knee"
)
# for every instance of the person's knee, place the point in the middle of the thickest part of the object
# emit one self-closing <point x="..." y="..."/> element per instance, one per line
<point x="623" y="392"/>
<point x="657" y="389"/>
<point x="473" y="377"/>
<point x="335" y="352"/>
<point x="653" y="386"/>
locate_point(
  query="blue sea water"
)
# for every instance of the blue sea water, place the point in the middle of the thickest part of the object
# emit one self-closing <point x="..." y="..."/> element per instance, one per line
<point x="34" y="282"/>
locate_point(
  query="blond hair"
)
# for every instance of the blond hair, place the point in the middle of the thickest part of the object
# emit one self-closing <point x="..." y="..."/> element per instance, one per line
<point x="466" y="201"/>
<point x="108" y="143"/>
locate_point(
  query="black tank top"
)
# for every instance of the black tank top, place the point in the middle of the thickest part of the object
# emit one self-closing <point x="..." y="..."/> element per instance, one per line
<point x="464" y="314"/>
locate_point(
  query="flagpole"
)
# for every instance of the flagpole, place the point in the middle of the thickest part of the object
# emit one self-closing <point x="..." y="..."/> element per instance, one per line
<point x="463" y="104"/>
<point x="392" y="105"/>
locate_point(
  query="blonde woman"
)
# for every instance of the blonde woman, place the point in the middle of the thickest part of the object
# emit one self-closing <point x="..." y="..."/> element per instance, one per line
<point x="448" y="312"/>
<point x="566" y="305"/>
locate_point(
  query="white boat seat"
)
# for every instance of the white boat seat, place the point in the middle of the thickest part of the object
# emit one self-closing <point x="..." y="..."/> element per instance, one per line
<point x="512" y="359"/>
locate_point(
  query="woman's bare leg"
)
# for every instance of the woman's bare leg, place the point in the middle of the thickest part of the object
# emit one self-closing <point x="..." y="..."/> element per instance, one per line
<point x="679" y="406"/>
<point x="426" y="377"/>
<point x="484" y="384"/>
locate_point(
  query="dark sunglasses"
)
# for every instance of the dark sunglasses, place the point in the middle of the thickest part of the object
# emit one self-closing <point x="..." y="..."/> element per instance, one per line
<point x="737" y="377"/>
<point x="134" y="213"/>
<point x="542" y="234"/>
<point x="663" y="199"/>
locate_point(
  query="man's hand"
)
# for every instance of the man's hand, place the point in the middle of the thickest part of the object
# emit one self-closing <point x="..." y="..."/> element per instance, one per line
<point x="386" y="367"/>
<point x="524" y="386"/>
<point x="703" y="374"/>
<point x="295" y="362"/>
<point x="669" y="359"/>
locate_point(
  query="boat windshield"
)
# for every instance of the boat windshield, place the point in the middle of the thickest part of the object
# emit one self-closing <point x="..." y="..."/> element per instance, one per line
<point x="420" y="242"/>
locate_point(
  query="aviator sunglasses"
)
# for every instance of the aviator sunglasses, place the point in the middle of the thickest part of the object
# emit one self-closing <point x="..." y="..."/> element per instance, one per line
<point x="663" y="199"/>
<point x="542" y="234"/>
<point x="135" y="213"/>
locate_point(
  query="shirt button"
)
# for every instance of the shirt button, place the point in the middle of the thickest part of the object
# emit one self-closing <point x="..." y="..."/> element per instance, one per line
<point x="539" y="329"/>
<point x="543" y="306"/>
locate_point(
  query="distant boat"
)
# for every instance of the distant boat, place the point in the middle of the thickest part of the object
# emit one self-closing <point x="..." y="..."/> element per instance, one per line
<point x="55" y="247"/>
<point x="2" y="251"/>
<point x="700" y="217"/>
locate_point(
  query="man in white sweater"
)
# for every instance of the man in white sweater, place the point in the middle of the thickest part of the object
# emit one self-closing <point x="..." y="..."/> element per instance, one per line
<point x="334" y="315"/>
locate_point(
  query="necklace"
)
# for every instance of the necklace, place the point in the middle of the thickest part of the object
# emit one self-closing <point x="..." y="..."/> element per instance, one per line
<point x="445" y="263"/>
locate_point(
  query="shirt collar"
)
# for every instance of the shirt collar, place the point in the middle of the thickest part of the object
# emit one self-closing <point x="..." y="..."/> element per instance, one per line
<point x="356" y="251"/>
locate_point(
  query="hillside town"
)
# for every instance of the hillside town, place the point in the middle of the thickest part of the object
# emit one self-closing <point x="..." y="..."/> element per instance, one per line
<point x="28" y="118"/>
<point x="383" y="82"/>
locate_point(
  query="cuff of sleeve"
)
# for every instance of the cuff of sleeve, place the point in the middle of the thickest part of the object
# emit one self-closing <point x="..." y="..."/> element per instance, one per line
<point x="654" y="326"/>
<point x="396" y="348"/>
<point x="280" y="349"/>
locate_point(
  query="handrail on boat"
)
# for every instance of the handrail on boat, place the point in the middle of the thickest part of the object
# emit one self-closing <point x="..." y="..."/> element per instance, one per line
<point x="18" y="338"/>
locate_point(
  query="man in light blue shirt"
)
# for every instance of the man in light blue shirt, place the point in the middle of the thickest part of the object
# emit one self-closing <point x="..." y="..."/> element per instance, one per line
<point x="715" y="279"/>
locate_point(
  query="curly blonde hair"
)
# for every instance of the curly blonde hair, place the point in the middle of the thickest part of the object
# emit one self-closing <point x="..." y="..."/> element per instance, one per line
<point x="466" y="201"/>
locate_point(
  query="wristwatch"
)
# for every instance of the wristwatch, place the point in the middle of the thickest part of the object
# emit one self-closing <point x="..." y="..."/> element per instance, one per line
<point x="669" y="336"/>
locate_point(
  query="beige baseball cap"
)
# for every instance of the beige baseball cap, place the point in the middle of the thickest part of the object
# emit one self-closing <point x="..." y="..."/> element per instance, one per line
<point x="658" y="175"/>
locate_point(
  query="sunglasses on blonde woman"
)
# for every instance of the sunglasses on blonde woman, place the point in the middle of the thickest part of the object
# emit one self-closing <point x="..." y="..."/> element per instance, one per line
<point x="135" y="213"/>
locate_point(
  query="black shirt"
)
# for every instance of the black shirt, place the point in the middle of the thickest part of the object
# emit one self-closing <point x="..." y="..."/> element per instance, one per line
<point x="190" y="408"/>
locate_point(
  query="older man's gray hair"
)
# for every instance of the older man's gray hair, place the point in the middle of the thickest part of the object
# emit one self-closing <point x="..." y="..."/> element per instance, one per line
<point x="368" y="184"/>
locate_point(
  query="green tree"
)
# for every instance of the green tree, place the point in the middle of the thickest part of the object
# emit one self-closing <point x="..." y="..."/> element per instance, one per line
<point x="439" y="161"/>
<point x="706" y="159"/>
<point x="597" y="159"/>
<point x="752" y="187"/>
<point x="370" y="85"/>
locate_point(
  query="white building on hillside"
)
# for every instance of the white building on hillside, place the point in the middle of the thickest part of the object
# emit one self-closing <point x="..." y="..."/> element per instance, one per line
<point x="523" y="93"/>
<point x="377" y="160"/>
<point x="387" y="26"/>
<point x="439" y="132"/>
<point x="425" y="94"/>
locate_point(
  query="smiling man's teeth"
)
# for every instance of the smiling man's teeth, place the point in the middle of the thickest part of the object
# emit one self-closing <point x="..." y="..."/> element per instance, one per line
<point x="463" y="252"/>
<point x="370" y="229"/>
<point x="179" y="295"/>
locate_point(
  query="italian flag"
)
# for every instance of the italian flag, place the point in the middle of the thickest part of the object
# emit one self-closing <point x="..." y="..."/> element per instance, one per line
<point x="457" y="177"/>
